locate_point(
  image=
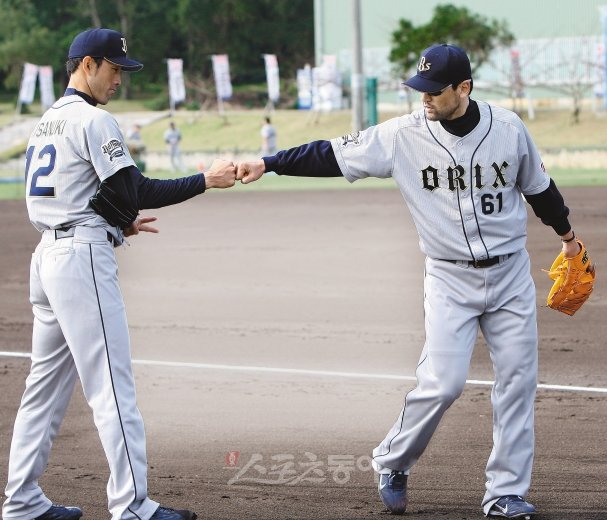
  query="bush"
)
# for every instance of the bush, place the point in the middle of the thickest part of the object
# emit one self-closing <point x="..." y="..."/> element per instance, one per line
<point x="157" y="103"/>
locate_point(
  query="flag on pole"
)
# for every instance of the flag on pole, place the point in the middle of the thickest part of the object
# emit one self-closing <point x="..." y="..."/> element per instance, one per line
<point x="272" y="77"/>
<point x="221" y="71"/>
<point x="176" y="81"/>
<point x="47" y="92"/>
<point x="28" y="83"/>
<point x="304" y="88"/>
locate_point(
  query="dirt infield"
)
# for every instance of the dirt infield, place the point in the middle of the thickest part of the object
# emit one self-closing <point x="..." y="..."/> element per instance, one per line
<point x="322" y="292"/>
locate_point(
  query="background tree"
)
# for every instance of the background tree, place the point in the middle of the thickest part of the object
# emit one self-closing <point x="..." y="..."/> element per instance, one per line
<point x="449" y="24"/>
<point x="40" y="32"/>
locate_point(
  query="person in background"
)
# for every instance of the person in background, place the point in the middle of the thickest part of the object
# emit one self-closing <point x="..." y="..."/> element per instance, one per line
<point x="268" y="138"/>
<point x="172" y="137"/>
<point x="136" y="146"/>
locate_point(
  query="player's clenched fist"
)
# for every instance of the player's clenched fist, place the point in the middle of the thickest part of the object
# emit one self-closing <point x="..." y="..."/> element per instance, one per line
<point x="250" y="171"/>
<point x="221" y="174"/>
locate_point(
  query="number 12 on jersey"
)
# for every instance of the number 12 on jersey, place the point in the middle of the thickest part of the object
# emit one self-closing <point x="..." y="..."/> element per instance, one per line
<point x="42" y="171"/>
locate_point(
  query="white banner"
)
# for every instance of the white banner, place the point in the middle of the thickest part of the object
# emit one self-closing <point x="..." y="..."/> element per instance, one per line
<point x="272" y="77"/>
<point x="47" y="92"/>
<point x="326" y="85"/>
<point x="221" y="71"/>
<point x="28" y="83"/>
<point x="176" y="81"/>
<point x="304" y="88"/>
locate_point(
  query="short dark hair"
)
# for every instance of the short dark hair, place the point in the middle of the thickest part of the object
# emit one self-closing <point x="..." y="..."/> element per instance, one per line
<point x="73" y="63"/>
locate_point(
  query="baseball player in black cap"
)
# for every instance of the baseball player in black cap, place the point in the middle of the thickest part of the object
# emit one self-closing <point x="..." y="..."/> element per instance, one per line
<point x="462" y="167"/>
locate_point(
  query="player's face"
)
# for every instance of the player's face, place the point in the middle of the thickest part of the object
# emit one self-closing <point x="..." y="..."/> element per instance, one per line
<point x="104" y="81"/>
<point x="450" y="103"/>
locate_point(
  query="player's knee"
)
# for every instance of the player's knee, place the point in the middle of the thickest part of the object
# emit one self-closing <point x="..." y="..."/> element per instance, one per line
<point x="449" y="390"/>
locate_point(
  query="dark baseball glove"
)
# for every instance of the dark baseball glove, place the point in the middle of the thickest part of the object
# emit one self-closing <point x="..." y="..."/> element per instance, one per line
<point x="573" y="281"/>
<point x="112" y="206"/>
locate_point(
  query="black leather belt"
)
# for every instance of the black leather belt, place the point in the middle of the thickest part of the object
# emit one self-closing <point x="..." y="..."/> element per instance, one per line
<point x="71" y="231"/>
<point x="487" y="262"/>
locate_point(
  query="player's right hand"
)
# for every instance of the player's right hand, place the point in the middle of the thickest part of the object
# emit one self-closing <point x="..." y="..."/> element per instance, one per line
<point x="140" y="224"/>
<point x="221" y="174"/>
<point x="250" y="171"/>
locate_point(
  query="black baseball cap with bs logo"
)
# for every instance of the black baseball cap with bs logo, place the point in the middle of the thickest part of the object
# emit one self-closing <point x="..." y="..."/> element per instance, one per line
<point x="103" y="43"/>
<point x="440" y="66"/>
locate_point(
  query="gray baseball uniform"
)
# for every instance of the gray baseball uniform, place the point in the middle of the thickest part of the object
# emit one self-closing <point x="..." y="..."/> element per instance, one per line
<point x="80" y="327"/>
<point x="83" y="189"/>
<point x="464" y="190"/>
<point x="464" y="194"/>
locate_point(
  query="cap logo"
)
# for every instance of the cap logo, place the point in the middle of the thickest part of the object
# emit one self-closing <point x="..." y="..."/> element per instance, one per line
<point x="423" y="66"/>
<point x="123" y="44"/>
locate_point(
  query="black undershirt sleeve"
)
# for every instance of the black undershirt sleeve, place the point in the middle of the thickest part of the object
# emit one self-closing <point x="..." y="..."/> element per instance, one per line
<point x="141" y="192"/>
<point x="315" y="159"/>
<point x="550" y="207"/>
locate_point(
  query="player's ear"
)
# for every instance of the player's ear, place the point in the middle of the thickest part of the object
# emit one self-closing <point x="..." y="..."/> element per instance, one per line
<point x="87" y="63"/>
<point x="466" y="87"/>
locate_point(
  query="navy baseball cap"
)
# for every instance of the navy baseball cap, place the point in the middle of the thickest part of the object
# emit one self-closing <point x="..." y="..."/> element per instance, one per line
<point x="440" y="66"/>
<point x="103" y="43"/>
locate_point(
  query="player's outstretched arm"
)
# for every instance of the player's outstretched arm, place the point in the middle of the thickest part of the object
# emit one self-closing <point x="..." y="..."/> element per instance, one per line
<point x="250" y="171"/>
<point x="221" y="174"/>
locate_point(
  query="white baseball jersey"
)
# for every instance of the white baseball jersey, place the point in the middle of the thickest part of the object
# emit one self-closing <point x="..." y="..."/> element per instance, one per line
<point x="73" y="148"/>
<point x="464" y="193"/>
<point x="80" y="328"/>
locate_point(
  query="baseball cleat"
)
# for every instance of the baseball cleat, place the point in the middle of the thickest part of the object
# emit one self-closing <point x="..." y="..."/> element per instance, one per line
<point x="166" y="513"/>
<point x="393" y="491"/>
<point x="512" y="506"/>
<point x="56" y="512"/>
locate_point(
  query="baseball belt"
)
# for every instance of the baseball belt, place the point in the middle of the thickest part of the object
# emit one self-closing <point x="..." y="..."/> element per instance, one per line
<point x="71" y="231"/>
<point x="487" y="262"/>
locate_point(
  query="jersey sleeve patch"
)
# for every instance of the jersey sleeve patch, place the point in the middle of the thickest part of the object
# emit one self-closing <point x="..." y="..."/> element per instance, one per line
<point x="353" y="139"/>
<point x="113" y="148"/>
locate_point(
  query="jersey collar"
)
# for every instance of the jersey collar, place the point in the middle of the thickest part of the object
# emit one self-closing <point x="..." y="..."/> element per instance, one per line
<point x="72" y="91"/>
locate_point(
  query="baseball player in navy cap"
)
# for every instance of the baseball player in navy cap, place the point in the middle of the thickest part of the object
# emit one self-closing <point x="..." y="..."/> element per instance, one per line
<point x="462" y="167"/>
<point x="84" y="193"/>
<point x="104" y="43"/>
<point x="440" y="66"/>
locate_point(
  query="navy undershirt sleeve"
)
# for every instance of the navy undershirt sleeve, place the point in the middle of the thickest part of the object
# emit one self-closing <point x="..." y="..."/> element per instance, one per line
<point x="315" y="159"/>
<point x="550" y="207"/>
<point x="141" y="192"/>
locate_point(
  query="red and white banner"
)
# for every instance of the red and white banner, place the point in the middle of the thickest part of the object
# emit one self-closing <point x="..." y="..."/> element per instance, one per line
<point x="272" y="77"/>
<point x="47" y="92"/>
<point x="176" y="81"/>
<point x="28" y="83"/>
<point x="221" y="71"/>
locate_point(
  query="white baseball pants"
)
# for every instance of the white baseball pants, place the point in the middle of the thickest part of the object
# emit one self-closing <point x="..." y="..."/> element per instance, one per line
<point x="458" y="299"/>
<point x="80" y="330"/>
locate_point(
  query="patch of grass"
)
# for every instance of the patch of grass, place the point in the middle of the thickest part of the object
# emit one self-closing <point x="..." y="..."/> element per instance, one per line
<point x="240" y="130"/>
<point x="554" y="130"/>
<point x="572" y="177"/>
<point x="12" y="191"/>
